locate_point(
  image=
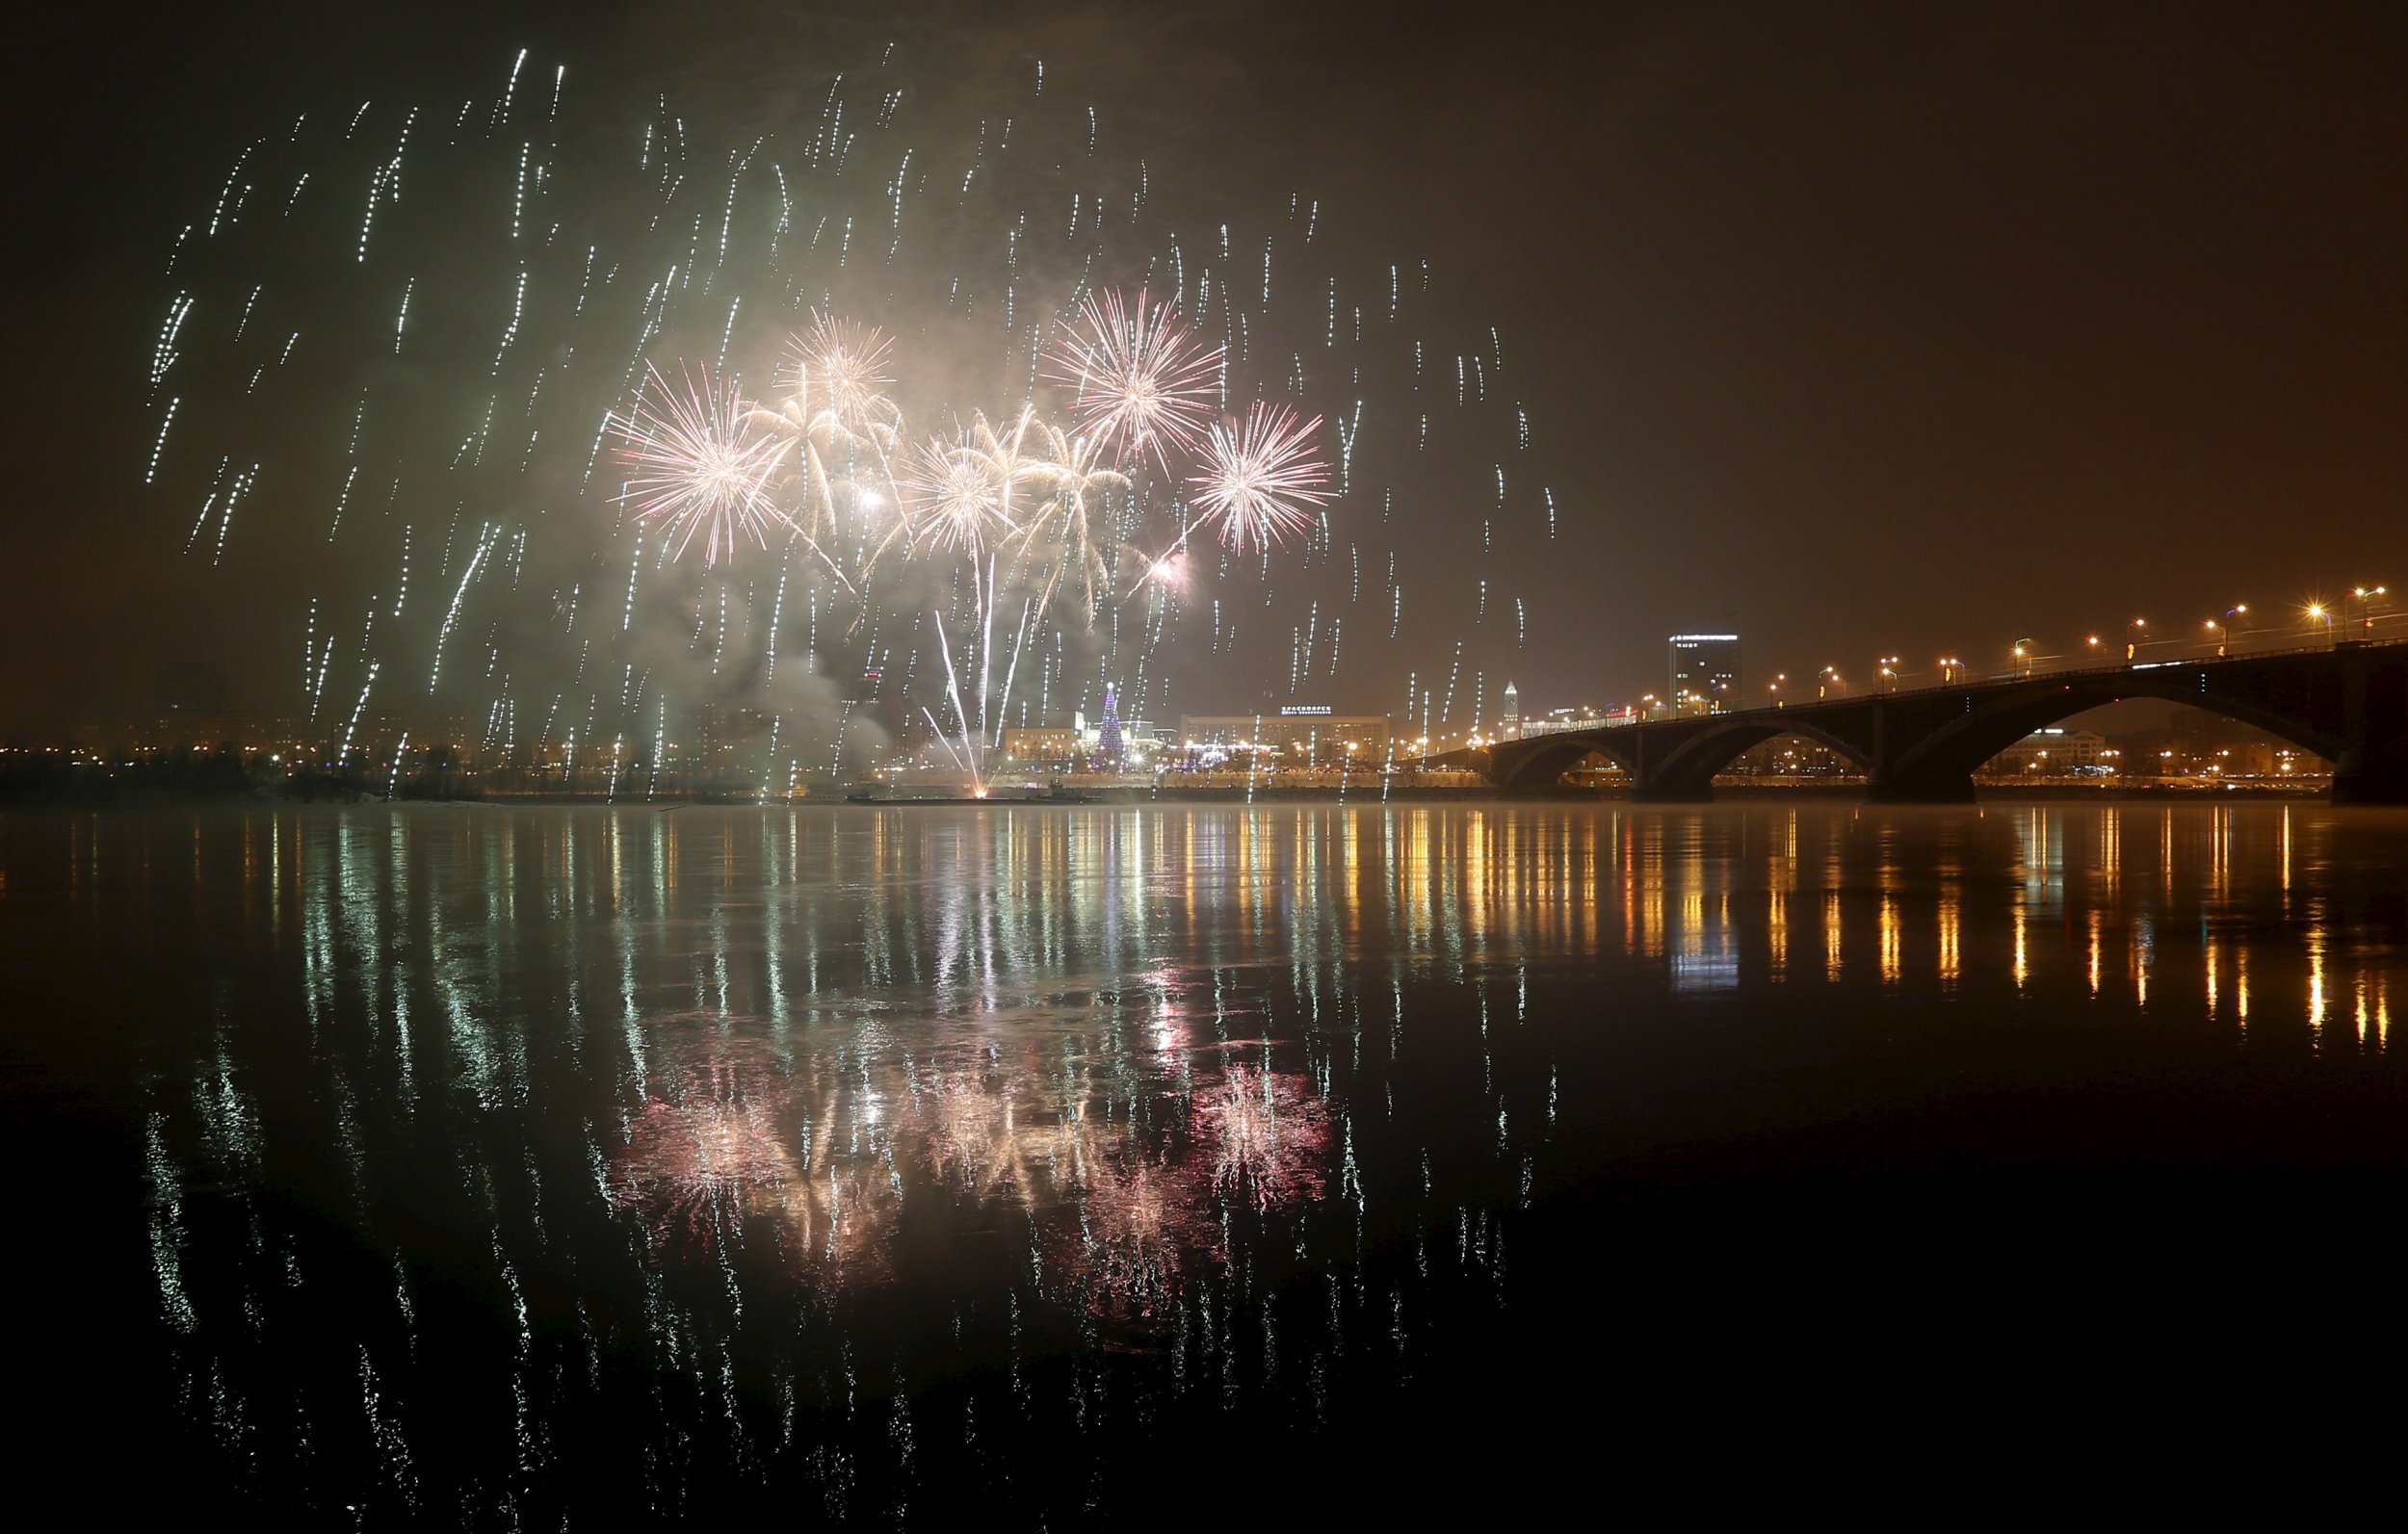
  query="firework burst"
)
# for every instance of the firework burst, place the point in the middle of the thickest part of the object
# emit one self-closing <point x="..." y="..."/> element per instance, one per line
<point x="1262" y="475"/>
<point x="698" y="465"/>
<point x="1061" y="538"/>
<point x="1138" y="379"/>
<point x="870" y="291"/>
<point x="959" y="491"/>
<point x="843" y="367"/>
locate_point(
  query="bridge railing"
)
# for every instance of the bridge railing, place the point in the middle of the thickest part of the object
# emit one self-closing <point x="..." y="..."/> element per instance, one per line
<point x="2124" y="670"/>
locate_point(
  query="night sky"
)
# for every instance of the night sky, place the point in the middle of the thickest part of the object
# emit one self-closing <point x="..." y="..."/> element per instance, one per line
<point x="1857" y="328"/>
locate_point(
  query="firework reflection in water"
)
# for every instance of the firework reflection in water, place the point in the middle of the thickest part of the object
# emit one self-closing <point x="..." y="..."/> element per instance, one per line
<point x="1123" y="1200"/>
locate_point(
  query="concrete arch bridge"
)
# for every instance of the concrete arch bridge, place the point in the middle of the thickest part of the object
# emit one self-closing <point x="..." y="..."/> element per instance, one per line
<point x="2347" y="702"/>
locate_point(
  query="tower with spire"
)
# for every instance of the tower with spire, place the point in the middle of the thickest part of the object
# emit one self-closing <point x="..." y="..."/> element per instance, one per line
<point x="1512" y="724"/>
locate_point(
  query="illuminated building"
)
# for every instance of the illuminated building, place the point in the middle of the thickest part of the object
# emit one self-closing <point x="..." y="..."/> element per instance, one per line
<point x="2055" y="750"/>
<point x="1705" y="671"/>
<point x="1056" y="747"/>
<point x="1300" y="735"/>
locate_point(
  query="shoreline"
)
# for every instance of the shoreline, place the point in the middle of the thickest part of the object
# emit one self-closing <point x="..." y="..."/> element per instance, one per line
<point x="1132" y="797"/>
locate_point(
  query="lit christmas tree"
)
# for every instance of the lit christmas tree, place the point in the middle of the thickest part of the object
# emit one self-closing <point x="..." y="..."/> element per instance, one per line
<point x="1107" y="747"/>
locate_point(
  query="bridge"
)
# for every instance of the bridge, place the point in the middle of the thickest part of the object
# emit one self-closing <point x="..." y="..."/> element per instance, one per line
<point x="2347" y="702"/>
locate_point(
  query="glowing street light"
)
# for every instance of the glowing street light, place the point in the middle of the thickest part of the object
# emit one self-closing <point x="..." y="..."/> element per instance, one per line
<point x="1952" y="669"/>
<point x="2137" y="638"/>
<point x="2364" y="597"/>
<point x="2319" y="611"/>
<point x="2223" y="631"/>
<point x="1827" y="681"/>
<point x="1774" y="686"/>
<point x="2022" y="656"/>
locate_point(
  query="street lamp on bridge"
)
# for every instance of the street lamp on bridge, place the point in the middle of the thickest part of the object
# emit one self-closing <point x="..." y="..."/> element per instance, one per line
<point x="1774" y="686"/>
<point x="2022" y="656"/>
<point x="2364" y="597"/>
<point x="2223" y="631"/>
<point x="2138" y="637"/>
<point x="1827" y="681"/>
<point x="1888" y="673"/>
<point x="1952" y="669"/>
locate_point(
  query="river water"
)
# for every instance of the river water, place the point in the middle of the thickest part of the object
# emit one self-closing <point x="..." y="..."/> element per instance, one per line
<point x="555" y="1167"/>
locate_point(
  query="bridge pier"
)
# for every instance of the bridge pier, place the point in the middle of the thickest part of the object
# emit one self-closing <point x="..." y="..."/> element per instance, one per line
<point x="2372" y="777"/>
<point x="2372" y="767"/>
<point x="1934" y="788"/>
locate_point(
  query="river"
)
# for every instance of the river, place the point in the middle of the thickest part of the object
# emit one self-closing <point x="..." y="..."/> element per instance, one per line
<point x="545" y="1167"/>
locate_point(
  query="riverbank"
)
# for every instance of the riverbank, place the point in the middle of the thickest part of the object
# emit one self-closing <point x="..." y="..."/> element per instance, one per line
<point x="1479" y="793"/>
<point x="1265" y="794"/>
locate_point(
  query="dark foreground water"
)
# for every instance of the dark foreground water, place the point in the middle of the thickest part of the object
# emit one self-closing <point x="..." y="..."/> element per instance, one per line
<point x="583" y="1168"/>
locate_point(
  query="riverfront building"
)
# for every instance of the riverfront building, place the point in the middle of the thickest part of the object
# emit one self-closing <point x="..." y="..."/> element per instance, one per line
<point x="1705" y="672"/>
<point x="1297" y="737"/>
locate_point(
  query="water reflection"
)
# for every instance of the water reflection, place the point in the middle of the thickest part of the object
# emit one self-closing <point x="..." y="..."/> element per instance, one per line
<point x="843" y="1151"/>
<point x="1120" y="1166"/>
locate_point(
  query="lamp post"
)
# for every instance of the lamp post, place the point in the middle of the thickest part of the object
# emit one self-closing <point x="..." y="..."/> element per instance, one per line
<point x="2137" y="638"/>
<point x="1826" y="681"/>
<point x="1774" y="686"/>
<point x="2318" y="611"/>
<point x="2223" y="631"/>
<point x="2022" y="656"/>
<point x="1888" y="673"/>
<point x="2364" y="597"/>
<point x="1951" y="670"/>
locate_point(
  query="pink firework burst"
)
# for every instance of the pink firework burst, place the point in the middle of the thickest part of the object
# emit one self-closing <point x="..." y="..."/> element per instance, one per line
<point x="1262" y="476"/>
<point x="846" y="364"/>
<point x="1138" y="379"/>
<point x="697" y="464"/>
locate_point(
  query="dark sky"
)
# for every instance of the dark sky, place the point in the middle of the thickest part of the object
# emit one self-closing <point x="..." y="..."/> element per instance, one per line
<point x="1859" y="328"/>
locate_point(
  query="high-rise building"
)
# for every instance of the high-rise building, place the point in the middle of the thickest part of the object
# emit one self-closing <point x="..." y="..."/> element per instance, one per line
<point x="1511" y="728"/>
<point x="1705" y="672"/>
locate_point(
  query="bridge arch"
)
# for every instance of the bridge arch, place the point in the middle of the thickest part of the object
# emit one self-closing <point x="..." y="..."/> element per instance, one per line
<point x="1690" y="769"/>
<point x="1953" y="752"/>
<point x="1540" y="760"/>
